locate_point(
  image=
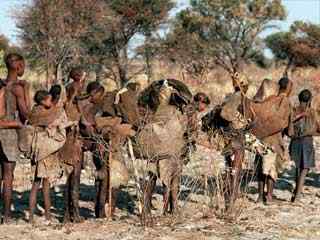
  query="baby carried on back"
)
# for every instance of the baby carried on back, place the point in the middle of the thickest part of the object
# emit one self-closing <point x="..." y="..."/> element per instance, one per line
<point x="46" y="132"/>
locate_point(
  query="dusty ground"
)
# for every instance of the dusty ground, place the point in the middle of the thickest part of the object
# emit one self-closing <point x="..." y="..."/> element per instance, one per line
<point x="195" y="220"/>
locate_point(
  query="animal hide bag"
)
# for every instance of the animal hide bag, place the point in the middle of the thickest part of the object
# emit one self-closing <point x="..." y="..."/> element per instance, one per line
<point x="163" y="136"/>
<point x="271" y="112"/>
<point x="270" y="117"/>
<point x="128" y="107"/>
<point x="71" y="151"/>
<point x="48" y="140"/>
<point x="45" y="143"/>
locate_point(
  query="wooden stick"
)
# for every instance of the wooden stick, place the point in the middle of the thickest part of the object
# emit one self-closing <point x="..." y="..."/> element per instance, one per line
<point x="110" y="212"/>
<point x="136" y="176"/>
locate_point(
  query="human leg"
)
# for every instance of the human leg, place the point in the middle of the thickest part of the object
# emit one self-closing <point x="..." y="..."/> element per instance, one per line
<point x="8" y="175"/>
<point x="46" y="197"/>
<point x="33" y="197"/>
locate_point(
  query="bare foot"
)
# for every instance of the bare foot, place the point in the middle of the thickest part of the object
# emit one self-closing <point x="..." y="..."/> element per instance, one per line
<point x="259" y="199"/>
<point x="7" y="220"/>
<point x="269" y="200"/>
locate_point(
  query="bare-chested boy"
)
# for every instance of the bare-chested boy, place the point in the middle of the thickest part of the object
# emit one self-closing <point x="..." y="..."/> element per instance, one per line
<point x="71" y="153"/>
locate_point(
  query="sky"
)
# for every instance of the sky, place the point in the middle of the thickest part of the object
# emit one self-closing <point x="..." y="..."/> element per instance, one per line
<point x="306" y="10"/>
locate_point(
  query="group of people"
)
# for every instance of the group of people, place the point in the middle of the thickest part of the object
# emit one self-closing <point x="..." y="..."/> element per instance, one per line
<point x="260" y="125"/>
<point x="164" y="120"/>
<point x="49" y="133"/>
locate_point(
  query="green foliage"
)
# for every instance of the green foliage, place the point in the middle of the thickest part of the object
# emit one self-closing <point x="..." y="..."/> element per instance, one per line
<point x="4" y="43"/>
<point x="278" y="43"/>
<point x="95" y="33"/>
<point x="299" y="47"/>
<point x="50" y="32"/>
<point x="2" y="65"/>
<point x="140" y="15"/>
<point x="108" y="42"/>
<point x="4" y="46"/>
<point x="223" y="32"/>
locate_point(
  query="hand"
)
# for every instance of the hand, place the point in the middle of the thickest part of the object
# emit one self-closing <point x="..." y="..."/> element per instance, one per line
<point x="11" y="124"/>
<point x="20" y="125"/>
<point x="300" y="115"/>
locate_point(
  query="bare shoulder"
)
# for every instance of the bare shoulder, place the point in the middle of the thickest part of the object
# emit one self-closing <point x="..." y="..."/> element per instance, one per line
<point x="18" y="89"/>
<point x="22" y="82"/>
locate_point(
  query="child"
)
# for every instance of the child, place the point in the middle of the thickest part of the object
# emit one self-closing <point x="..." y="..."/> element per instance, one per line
<point x="301" y="146"/>
<point x="49" y="120"/>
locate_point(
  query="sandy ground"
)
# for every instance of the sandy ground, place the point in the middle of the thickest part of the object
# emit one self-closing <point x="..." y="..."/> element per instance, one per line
<point x="195" y="220"/>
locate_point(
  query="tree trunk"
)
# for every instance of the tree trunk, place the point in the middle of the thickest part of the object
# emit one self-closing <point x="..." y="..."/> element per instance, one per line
<point x="57" y="74"/>
<point x="50" y="73"/>
<point x="288" y="68"/>
<point x="149" y="67"/>
<point x="122" y="75"/>
<point x="148" y="57"/>
<point x="99" y="72"/>
<point x="122" y="65"/>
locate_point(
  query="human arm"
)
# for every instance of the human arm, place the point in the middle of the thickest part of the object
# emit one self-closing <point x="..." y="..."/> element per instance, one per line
<point x="22" y="104"/>
<point x="10" y="124"/>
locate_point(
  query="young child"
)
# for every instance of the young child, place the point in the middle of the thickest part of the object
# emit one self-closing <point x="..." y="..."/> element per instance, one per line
<point x="301" y="147"/>
<point x="49" y="120"/>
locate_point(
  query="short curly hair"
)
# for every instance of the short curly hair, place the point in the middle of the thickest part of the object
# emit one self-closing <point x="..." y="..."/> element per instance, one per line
<point x="202" y="97"/>
<point x="11" y="58"/>
<point x="76" y="72"/>
<point x="94" y="87"/>
<point x="305" y="96"/>
<point x="40" y="96"/>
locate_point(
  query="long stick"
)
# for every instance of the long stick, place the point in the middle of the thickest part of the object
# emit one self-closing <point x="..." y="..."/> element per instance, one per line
<point x="110" y="212"/>
<point x="136" y="175"/>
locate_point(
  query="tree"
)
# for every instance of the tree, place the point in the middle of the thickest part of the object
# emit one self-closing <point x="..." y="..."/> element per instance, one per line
<point x="50" y="31"/>
<point x="108" y="44"/>
<point x="4" y="45"/>
<point x="299" y="47"/>
<point x="95" y="33"/>
<point x="4" y="42"/>
<point x="225" y="33"/>
<point x="186" y="49"/>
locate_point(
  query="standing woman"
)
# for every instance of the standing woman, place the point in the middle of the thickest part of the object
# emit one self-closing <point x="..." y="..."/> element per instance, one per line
<point x="50" y="121"/>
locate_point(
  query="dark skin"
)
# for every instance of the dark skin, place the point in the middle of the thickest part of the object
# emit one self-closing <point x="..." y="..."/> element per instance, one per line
<point x="47" y="103"/>
<point x="72" y="188"/>
<point x="102" y="189"/>
<point x="233" y="178"/>
<point x="267" y="180"/>
<point x="76" y="87"/>
<point x="19" y="89"/>
<point x="233" y="175"/>
<point x="46" y="197"/>
<point x="102" y="185"/>
<point x="170" y="196"/>
<point x="15" y="70"/>
<point x="301" y="173"/>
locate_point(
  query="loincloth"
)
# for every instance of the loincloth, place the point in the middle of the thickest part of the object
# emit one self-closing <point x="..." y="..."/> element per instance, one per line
<point x="49" y="167"/>
<point x="71" y="152"/>
<point x="9" y="144"/>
